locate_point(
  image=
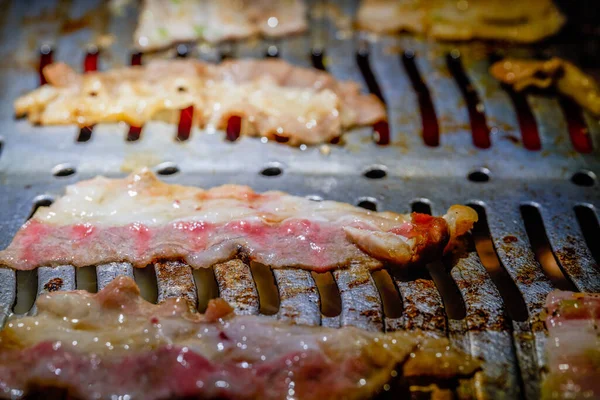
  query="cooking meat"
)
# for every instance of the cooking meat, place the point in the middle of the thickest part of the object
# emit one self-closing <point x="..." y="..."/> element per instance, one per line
<point x="274" y="98"/>
<point x="115" y="344"/>
<point x="555" y="73"/>
<point x="162" y="23"/>
<point x="513" y="20"/>
<point x="573" y="348"/>
<point x="139" y="219"/>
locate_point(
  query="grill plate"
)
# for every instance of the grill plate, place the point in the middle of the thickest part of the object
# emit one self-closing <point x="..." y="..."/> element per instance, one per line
<point x="512" y="350"/>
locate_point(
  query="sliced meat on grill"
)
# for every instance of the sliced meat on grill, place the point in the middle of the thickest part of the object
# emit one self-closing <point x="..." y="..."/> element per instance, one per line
<point x="114" y="343"/>
<point x="573" y="348"/>
<point x="139" y="218"/>
<point x="512" y="20"/>
<point x="555" y="73"/>
<point x="163" y="23"/>
<point x="274" y="98"/>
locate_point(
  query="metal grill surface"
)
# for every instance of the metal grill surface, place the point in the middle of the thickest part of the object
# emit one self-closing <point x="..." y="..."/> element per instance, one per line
<point x="512" y="349"/>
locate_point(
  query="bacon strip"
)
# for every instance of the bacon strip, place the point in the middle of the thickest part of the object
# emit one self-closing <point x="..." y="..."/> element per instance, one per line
<point x="512" y="20"/>
<point x="275" y="99"/>
<point x="162" y="23"/>
<point x="573" y="348"/>
<point x="557" y="73"/>
<point x="114" y="343"/>
<point x="139" y="219"/>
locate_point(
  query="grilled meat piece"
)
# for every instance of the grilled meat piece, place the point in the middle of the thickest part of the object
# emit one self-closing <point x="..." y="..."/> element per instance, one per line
<point x="114" y="343"/>
<point x="512" y="20"/>
<point x="139" y="219"/>
<point x="274" y="98"/>
<point x="555" y="73"/>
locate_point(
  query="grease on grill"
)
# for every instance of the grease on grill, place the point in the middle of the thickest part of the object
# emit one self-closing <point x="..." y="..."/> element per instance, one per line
<point x="53" y="285"/>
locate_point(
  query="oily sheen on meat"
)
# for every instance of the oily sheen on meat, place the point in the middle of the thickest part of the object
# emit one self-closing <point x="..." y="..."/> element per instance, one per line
<point x="139" y="219"/>
<point x="513" y="20"/>
<point x="573" y="347"/>
<point x="274" y="99"/>
<point x="114" y="343"/>
<point x="163" y="23"/>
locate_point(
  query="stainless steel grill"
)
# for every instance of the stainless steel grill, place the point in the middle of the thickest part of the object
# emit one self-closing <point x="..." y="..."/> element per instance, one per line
<point x="37" y="162"/>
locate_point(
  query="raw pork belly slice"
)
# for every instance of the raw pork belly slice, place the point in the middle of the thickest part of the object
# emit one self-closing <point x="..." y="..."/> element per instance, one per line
<point x="274" y="99"/>
<point x="163" y="23"/>
<point x="139" y="219"/>
<point x="114" y="343"/>
<point x="573" y="348"/>
<point x="513" y="20"/>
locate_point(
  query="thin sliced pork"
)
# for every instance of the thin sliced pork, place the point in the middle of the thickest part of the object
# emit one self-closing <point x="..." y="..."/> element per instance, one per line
<point x="555" y="73"/>
<point x="275" y="99"/>
<point x="163" y="23"/>
<point x="139" y="219"/>
<point x="114" y="344"/>
<point x="513" y="20"/>
<point x="573" y="347"/>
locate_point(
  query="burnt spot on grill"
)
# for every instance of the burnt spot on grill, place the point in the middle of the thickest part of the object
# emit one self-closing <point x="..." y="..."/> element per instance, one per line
<point x="569" y="259"/>
<point x="510" y="239"/>
<point x="53" y="285"/>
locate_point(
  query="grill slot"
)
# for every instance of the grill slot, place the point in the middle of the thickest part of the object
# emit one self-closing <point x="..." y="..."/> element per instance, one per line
<point x="268" y="297"/>
<point x="576" y="125"/>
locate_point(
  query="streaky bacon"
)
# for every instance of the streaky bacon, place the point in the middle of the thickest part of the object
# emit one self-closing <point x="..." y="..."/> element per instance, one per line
<point x="573" y="348"/>
<point x="274" y="98"/>
<point x="114" y="343"/>
<point x="139" y="219"/>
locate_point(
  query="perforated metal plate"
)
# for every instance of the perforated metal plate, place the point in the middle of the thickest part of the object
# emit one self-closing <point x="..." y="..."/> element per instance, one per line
<point x="512" y="350"/>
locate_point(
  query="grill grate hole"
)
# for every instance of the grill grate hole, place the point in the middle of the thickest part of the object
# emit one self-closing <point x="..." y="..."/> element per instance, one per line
<point x="375" y="172"/>
<point x="27" y="282"/>
<point x="134" y="134"/>
<point x="584" y="178"/>
<point x="86" y="278"/>
<point x="182" y="50"/>
<point x="479" y="128"/>
<point x="85" y="134"/>
<point x="369" y="203"/>
<point x="331" y="301"/>
<point x="268" y="295"/>
<point x="62" y="170"/>
<point x="184" y="127"/>
<point x="234" y="128"/>
<point x="429" y="121"/>
<point x="90" y="62"/>
<point x="588" y="222"/>
<point x="146" y="280"/>
<point x="40" y="201"/>
<point x="390" y="297"/>
<point x="272" y="52"/>
<point x="46" y="58"/>
<point x="511" y="296"/>
<point x="479" y="175"/>
<point x="206" y="286"/>
<point x="317" y="57"/>
<point x="167" y="168"/>
<point x="272" y="170"/>
<point x="541" y="248"/>
<point x="578" y="130"/>
<point x="453" y="301"/>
